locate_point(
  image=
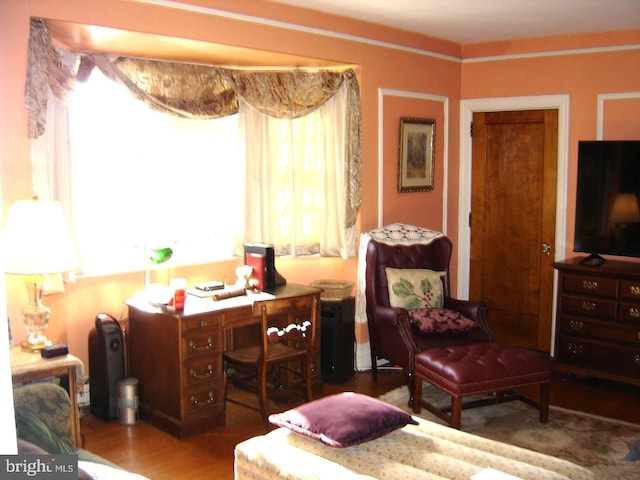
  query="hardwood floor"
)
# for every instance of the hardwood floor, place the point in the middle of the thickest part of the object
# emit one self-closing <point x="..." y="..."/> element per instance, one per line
<point x="148" y="451"/>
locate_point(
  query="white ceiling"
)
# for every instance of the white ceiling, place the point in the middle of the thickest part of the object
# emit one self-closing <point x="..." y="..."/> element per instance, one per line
<point x="476" y="21"/>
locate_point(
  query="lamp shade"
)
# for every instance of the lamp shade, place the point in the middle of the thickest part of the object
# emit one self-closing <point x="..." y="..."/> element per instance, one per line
<point x="37" y="239"/>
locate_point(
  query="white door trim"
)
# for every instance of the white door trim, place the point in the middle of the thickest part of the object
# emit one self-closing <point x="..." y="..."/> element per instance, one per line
<point x="467" y="109"/>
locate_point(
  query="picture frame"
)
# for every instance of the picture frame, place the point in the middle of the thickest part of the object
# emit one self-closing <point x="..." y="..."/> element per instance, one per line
<point x="416" y="155"/>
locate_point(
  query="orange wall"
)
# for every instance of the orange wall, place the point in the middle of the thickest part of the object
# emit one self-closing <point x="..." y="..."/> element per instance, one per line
<point x="621" y="114"/>
<point x="397" y="71"/>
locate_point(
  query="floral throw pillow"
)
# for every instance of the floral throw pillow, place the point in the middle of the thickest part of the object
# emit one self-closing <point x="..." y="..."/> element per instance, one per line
<point x="440" y="320"/>
<point x="414" y="288"/>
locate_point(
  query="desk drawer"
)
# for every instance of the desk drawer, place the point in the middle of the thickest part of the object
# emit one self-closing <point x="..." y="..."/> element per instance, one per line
<point x="202" y="398"/>
<point x="199" y="342"/>
<point x="591" y="306"/>
<point x="203" y="368"/>
<point x="200" y="322"/>
<point x="203" y="420"/>
<point x="603" y="287"/>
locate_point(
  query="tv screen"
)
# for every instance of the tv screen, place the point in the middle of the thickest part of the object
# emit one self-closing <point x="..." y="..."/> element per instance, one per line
<point x="608" y="190"/>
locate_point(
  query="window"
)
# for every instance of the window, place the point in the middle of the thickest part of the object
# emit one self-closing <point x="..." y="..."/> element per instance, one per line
<point x="146" y="179"/>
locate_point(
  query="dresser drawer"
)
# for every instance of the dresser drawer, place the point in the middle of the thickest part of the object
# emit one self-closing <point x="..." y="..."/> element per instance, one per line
<point x="615" y="331"/>
<point x="630" y="289"/>
<point x="196" y="342"/>
<point x="591" y="306"/>
<point x="616" y="359"/>
<point x="199" y="369"/>
<point x="629" y="312"/>
<point x="600" y="286"/>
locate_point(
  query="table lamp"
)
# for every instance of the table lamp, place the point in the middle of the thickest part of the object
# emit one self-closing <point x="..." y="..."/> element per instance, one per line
<point x="37" y="242"/>
<point x="155" y="256"/>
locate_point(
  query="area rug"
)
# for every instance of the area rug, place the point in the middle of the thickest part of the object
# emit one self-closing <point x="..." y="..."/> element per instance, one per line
<point x="609" y="448"/>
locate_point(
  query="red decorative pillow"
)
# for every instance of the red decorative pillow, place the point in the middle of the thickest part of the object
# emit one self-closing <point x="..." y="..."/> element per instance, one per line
<point x="343" y="420"/>
<point x="440" y="320"/>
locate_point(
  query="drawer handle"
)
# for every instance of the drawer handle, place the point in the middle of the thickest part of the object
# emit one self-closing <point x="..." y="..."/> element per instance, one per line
<point x="208" y="373"/>
<point x="576" y="324"/>
<point x="588" y="306"/>
<point x="197" y="403"/>
<point x="635" y="290"/>
<point x="634" y="312"/>
<point x="589" y="285"/>
<point x="197" y="348"/>
<point x="637" y="360"/>
<point x="203" y="323"/>
<point x="574" y="348"/>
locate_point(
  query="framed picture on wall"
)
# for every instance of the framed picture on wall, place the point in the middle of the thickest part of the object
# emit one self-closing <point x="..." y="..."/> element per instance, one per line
<point x="416" y="154"/>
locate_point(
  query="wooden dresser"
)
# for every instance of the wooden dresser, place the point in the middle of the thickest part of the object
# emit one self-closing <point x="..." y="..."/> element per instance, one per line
<point x="177" y="357"/>
<point x="598" y="320"/>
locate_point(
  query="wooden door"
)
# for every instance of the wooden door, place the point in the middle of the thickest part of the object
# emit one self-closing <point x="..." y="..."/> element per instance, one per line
<point x="513" y="222"/>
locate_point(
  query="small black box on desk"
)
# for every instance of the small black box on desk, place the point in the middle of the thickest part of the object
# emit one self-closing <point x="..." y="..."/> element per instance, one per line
<point x="54" y="351"/>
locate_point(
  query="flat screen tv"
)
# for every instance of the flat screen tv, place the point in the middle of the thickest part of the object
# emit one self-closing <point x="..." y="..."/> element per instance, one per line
<point x="608" y="190"/>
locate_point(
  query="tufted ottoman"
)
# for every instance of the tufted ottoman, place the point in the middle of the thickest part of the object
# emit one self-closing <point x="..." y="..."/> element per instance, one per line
<point x="480" y="368"/>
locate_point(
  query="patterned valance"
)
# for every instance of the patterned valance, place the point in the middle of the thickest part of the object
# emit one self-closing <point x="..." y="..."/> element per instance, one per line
<point x="195" y="91"/>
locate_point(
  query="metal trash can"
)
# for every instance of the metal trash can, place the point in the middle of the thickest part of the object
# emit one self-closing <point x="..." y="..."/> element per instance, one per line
<point x="128" y="401"/>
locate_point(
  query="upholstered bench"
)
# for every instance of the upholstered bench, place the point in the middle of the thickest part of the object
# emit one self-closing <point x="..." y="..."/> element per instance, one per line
<point x="427" y="451"/>
<point x="352" y="436"/>
<point x="480" y="368"/>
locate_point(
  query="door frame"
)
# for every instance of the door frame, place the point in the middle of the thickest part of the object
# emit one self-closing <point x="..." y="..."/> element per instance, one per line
<point x="536" y="102"/>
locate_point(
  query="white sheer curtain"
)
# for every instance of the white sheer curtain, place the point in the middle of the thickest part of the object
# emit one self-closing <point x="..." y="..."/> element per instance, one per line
<point x="295" y="180"/>
<point x="50" y="157"/>
<point x="51" y="167"/>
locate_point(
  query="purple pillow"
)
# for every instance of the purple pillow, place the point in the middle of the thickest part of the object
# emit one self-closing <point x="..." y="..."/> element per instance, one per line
<point x="440" y="320"/>
<point x="343" y="420"/>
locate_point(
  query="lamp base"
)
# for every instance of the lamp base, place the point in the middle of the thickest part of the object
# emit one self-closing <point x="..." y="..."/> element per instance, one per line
<point x="35" y="315"/>
<point x="35" y="347"/>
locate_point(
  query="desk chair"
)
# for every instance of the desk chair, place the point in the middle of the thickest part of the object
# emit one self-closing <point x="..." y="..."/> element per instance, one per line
<point x="282" y="360"/>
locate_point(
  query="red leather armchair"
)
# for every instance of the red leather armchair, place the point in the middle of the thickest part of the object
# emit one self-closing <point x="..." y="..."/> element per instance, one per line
<point x="391" y="335"/>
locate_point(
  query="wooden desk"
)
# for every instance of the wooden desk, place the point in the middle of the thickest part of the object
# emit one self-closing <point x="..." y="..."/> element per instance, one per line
<point x="27" y="367"/>
<point x="177" y="357"/>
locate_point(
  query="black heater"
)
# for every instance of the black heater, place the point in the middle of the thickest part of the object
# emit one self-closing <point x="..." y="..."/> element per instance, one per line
<point x="106" y="366"/>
